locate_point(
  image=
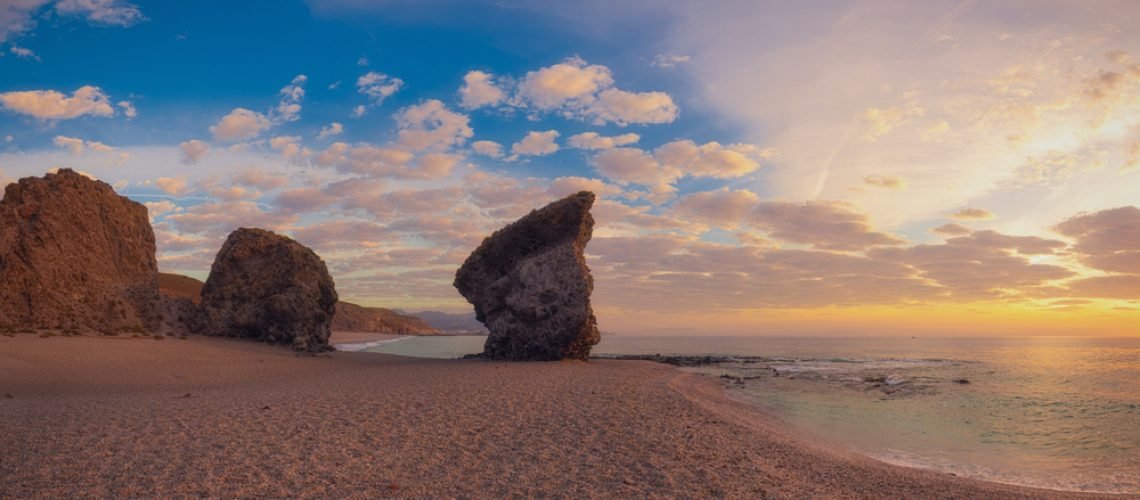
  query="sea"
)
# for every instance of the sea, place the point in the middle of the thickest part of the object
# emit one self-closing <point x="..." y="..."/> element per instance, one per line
<point x="1053" y="412"/>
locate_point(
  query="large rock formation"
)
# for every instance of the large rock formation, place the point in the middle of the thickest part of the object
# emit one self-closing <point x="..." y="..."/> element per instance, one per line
<point x="73" y="254"/>
<point x="268" y="287"/>
<point x="530" y="284"/>
<point x="353" y="318"/>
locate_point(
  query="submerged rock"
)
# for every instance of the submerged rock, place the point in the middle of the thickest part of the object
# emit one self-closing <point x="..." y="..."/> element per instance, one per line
<point x="268" y="287"/>
<point x="530" y="284"/>
<point x="76" y="255"/>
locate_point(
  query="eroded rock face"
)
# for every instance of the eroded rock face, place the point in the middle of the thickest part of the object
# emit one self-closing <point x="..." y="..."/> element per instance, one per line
<point x="530" y="284"/>
<point x="268" y="287"/>
<point x="74" y="254"/>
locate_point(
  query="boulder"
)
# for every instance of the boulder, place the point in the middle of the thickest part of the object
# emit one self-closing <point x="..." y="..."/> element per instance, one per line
<point x="76" y="255"/>
<point x="531" y="287"/>
<point x="268" y="287"/>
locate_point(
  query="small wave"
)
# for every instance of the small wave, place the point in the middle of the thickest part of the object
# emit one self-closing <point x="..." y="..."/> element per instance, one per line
<point x="363" y="346"/>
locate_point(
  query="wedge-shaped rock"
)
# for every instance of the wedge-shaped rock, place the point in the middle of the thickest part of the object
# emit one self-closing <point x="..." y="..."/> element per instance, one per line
<point x="530" y="284"/>
<point x="74" y="254"/>
<point x="268" y="287"/>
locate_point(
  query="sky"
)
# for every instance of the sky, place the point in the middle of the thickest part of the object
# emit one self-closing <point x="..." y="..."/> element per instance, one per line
<point x="860" y="167"/>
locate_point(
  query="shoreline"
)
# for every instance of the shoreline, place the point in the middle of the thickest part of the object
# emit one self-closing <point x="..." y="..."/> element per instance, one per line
<point x="224" y="417"/>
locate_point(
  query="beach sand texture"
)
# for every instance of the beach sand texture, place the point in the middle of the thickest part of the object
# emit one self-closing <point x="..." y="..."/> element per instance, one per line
<point x="135" y="417"/>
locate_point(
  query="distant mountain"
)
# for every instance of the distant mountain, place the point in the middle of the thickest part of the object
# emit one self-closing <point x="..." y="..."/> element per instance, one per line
<point x="349" y="317"/>
<point x="453" y="322"/>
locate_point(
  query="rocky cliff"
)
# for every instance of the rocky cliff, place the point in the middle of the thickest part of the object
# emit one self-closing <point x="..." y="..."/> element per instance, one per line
<point x="530" y="284"/>
<point x="74" y="254"/>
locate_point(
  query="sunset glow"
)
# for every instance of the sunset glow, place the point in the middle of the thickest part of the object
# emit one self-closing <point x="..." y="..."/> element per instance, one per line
<point x="762" y="168"/>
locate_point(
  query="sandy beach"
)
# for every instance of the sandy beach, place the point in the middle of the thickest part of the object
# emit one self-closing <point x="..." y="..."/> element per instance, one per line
<point x="136" y="417"/>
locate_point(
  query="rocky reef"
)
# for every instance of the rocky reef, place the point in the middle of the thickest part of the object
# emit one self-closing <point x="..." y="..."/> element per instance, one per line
<point x="531" y="287"/>
<point x="76" y="255"/>
<point x="268" y="287"/>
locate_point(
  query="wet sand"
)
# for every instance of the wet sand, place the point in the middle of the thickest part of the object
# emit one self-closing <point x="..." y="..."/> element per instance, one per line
<point x="131" y="417"/>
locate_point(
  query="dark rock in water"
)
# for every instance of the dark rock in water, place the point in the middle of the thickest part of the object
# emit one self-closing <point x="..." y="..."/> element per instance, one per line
<point x="76" y="255"/>
<point x="268" y="287"/>
<point x="961" y="381"/>
<point x="530" y="284"/>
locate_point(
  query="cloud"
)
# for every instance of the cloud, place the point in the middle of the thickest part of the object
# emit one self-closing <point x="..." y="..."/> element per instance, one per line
<point x="826" y="225"/>
<point x="16" y="16"/>
<point x="536" y="144"/>
<point x="624" y="108"/>
<point x="378" y="86"/>
<point x="172" y="185"/>
<point x="479" y="90"/>
<point x="330" y="130"/>
<point x="193" y="151"/>
<point x="78" y="147"/>
<point x="359" y="111"/>
<point x="985" y="267"/>
<point x="102" y="12"/>
<point x="363" y="61"/>
<point x="576" y="89"/>
<point x="1120" y="286"/>
<point x="951" y="229"/>
<point x="240" y="124"/>
<point x="128" y="109"/>
<point x="723" y="208"/>
<point x="487" y="148"/>
<point x="290" y="148"/>
<point x="430" y="125"/>
<point x="53" y="105"/>
<point x="571" y="83"/>
<point x="885" y="181"/>
<point x="23" y="53"/>
<point x="972" y="214"/>
<point x="669" y="60"/>
<point x="1108" y="240"/>
<point x="711" y="159"/>
<point x="289" y="108"/>
<point x="634" y="166"/>
<point x="260" y="179"/>
<point x="592" y="140"/>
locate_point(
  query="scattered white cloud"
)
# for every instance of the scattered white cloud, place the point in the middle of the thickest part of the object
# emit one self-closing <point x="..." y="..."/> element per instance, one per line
<point x="363" y="61"/>
<point x="592" y="140"/>
<point x="537" y="144"/>
<point x="172" y="185"/>
<point x="576" y="89"/>
<point x="479" y="89"/>
<point x="23" y="53"/>
<point x="330" y="130"/>
<point x="725" y="208"/>
<point x="102" y="12"/>
<point x="128" y="109"/>
<point x="669" y="60"/>
<point x="239" y="125"/>
<point x="712" y="159"/>
<point x="487" y="148"/>
<point x="359" y="111"/>
<point x="78" y="147"/>
<point x="430" y="125"/>
<point x="289" y="108"/>
<point x="193" y="151"/>
<point x="290" y="147"/>
<point x="378" y="86"/>
<point x="53" y="105"/>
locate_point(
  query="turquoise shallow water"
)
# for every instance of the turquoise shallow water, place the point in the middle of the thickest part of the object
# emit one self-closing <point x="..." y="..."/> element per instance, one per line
<point x="1054" y="412"/>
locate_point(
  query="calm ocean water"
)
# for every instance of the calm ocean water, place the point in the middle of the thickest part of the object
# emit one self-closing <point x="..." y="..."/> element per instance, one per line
<point x="1053" y="412"/>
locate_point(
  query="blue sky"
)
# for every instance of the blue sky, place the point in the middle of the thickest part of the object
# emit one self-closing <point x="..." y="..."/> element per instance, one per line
<point x="754" y="160"/>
